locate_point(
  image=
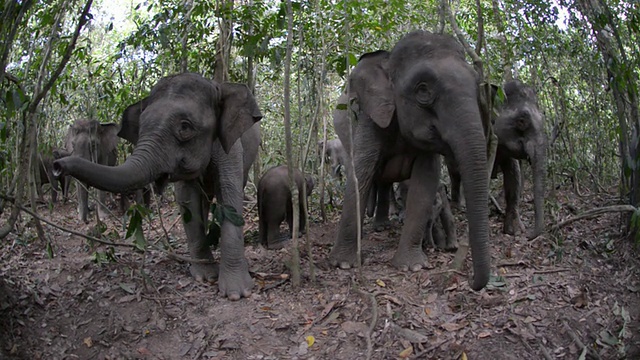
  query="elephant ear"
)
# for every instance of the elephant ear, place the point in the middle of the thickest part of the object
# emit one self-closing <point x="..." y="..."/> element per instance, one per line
<point x="130" y="124"/>
<point x="239" y="112"/>
<point x="108" y="134"/>
<point x="372" y="88"/>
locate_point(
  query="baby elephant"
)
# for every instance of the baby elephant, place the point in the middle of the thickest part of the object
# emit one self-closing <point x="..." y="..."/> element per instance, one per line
<point x="275" y="204"/>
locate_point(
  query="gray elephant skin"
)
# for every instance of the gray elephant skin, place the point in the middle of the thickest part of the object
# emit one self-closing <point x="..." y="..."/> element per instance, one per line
<point x="45" y="169"/>
<point x="442" y="222"/>
<point x="187" y="131"/>
<point x="98" y="143"/>
<point x="275" y="204"/>
<point x="519" y="127"/>
<point x="335" y="155"/>
<point x="412" y="104"/>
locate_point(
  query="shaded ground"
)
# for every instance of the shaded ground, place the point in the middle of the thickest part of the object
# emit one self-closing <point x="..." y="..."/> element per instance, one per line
<point x="555" y="297"/>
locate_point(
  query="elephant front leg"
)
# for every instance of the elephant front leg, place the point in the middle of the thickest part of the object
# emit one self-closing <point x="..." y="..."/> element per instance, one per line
<point x="448" y="222"/>
<point x="422" y="193"/>
<point x="193" y="209"/>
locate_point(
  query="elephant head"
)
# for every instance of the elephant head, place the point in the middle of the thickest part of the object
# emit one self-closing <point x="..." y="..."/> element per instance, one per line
<point x="174" y="129"/>
<point x="425" y="90"/>
<point x="520" y="130"/>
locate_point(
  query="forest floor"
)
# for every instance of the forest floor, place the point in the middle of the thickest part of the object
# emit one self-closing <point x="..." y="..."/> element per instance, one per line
<point x="571" y="295"/>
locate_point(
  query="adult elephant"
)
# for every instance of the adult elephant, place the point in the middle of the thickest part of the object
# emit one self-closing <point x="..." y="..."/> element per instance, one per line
<point x="45" y="172"/>
<point x="521" y="136"/>
<point x="519" y="126"/>
<point x="412" y="104"/>
<point x="95" y="142"/>
<point x="187" y="131"/>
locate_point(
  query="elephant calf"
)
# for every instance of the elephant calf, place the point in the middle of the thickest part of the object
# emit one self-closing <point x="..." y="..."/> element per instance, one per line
<point x="45" y="172"/>
<point x="275" y="204"/>
<point x="336" y="155"/>
<point x="442" y="234"/>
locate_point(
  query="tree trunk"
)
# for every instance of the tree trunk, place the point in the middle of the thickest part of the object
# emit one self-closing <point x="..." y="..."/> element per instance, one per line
<point x="295" y="255"/>
<point x="223" y="52"/>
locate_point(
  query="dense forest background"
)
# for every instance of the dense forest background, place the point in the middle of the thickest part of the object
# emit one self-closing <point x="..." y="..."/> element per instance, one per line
<point x="66" y="60"/>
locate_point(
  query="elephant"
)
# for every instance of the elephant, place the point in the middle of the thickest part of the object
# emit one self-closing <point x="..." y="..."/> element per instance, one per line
<point x="275" y="204"/>
<point x="96" y="142"/>
<point x="186" y="131"/>
<point x="410" y="105"/>
<point x="336" y="155"/>
<point x="442" y="223"/>
<point x="45" y="172"/>
<point x="519" y="127"/>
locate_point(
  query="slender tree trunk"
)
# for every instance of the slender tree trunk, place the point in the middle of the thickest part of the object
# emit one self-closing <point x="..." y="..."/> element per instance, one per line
<point x="622" y="83"/>
<point x="295" y="255"/>
<point x="184" y="66"/>
<point x="223" y="52"/>
<point x="29" y="145"/>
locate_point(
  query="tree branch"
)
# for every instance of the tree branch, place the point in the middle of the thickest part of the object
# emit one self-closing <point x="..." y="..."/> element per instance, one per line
<point x="595" y="212"/>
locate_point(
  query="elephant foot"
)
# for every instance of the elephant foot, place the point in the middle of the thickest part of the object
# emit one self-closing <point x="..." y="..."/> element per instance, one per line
<point x="278" y="244"/>
<point x="343" y="256"/>
<point x="235" y="284"/>
<point x="381" y="225"/>
<point x="204" y="272"/>
<point x="413" y="259"/>
<point x="451" y="245"/>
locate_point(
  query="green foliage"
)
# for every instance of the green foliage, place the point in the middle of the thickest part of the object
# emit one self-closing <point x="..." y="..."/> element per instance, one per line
<point x="219" y="214"/>
<point x="136" y="214"/>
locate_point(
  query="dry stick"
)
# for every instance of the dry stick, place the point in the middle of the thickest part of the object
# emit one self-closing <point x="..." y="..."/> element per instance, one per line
<point x="595" y="212"/>
<point x="430" y="349"/>
<point x="374" y="317"/>
<point x="577" y="340"/>
<point x="88" y="237"/>
<point x="543" y="349"/>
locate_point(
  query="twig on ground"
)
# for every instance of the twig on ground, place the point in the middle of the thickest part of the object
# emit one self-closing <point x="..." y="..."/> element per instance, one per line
<point x="576" y="339"/>
<point x="543" y="349"/>
<point x="421" y="354"/>
<point x="88" y="237"/>
<point x="550" y="271"/>
<point x="374" y="317"/>
<point x="593" y="213"/>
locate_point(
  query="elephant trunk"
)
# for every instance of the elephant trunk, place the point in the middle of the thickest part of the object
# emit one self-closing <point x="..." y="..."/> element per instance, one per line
<point x="136" y="172"/>
<point x="471" y="155"/>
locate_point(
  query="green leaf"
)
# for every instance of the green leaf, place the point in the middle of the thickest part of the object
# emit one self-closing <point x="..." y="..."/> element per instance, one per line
<point x="341" y="107"/>
<point x="232" y="215"/>
<point x="186" y="214"/>
<point x="49" y="250"/>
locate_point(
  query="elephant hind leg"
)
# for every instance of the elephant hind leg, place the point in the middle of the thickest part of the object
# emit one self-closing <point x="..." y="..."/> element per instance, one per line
<point x="511" y="173"/>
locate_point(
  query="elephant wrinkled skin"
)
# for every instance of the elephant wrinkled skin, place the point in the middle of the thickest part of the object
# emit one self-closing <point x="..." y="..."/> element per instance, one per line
<point x="412" y="104"/>
<point x="275" y="204"/>
<point x="187" y="131"/>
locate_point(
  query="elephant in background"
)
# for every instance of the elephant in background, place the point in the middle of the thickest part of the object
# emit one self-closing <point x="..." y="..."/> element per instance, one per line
<point x="187" y="131"/>
<point x="95" y="142"/>
<point x="45" y="172"/>
<point x="519" y="127"/>
<point x="275" y="204"/>
<point x="412" y="104"/>
<point x="442" y="223"/>
<point x="336" y="155"/>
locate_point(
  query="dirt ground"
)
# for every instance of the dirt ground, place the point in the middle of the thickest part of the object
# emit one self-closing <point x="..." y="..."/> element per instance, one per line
<point x="569" y="295"/>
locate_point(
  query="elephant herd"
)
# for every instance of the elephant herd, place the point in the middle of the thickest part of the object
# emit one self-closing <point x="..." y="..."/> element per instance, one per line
<point x="407" y="107"/>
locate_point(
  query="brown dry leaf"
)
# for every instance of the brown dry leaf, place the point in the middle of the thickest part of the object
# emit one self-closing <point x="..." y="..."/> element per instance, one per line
<point x="144" y="351"/>
<point x="432" y="298"/>
<point x="463" y="356"/>
<point x="87" y="341"/>
<point x="353" y="327"/>
<point x="452" y="326"/>
<point x="427" y="311"/>
<point x="484" y="334"/>
<point x="380" y="283"/>
<point x="406" y="352"/>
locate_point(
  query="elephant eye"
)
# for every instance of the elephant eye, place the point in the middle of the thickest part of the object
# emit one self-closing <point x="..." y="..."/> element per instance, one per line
<point x="187" y="131"/>
<point x="424" y="94"/>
